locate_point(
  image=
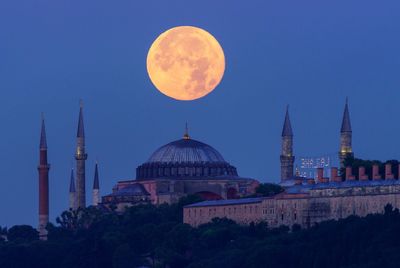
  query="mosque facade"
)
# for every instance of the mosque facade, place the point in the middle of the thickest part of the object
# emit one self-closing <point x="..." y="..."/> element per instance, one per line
<point x="177" y="169"/>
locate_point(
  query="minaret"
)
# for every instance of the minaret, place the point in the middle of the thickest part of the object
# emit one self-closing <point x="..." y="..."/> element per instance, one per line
<point x="72" y="191"/>
<point x="43" y="169"/>
<point x="96" y="186"/>
<point x="287" y="158"/>
<point x="345" y="137"/>
<point x="80" y="157"/>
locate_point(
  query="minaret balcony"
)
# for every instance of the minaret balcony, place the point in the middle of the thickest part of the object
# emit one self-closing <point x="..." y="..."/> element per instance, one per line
<point x="81" y="156"/>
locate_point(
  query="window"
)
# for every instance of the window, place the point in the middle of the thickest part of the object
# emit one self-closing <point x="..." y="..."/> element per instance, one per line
<point x="282" y="216"/>
<point x="295" y="216"/>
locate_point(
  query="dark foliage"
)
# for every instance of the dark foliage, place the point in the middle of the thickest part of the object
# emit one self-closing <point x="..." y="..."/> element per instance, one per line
<point x="268" y="189"/>
<point x="22" y="234"/>
<point x="152" y="236"/>
<point x="355" y="163"/>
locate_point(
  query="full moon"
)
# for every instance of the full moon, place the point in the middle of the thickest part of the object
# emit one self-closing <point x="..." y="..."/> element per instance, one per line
<point x="185" y="63"/>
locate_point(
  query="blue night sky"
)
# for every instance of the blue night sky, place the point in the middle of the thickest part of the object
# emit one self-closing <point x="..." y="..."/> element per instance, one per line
<point x="308" y="54"/>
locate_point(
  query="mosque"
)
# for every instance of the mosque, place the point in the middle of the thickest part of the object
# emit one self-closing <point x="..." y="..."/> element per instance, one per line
<point x="187" y="166"/>
<point x="179" y="168"/>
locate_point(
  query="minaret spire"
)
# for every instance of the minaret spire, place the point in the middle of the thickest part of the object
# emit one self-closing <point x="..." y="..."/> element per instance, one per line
<point x="81" y="129"/>
<point x="43" y="140"/>
<point x="80" y="157"/>
<point x="346" y="133"/>
<point x="287" y="127"/>
<point x="72" y="191"/>
<point x="96" y="186"/>
<point x="287" y="157"/>
<point x="43" y="169"/>
<point x="346" y="125"/>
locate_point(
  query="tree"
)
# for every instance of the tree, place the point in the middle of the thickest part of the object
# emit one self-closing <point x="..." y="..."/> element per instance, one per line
<point x="125" y="257"/>
<point x="22" y="233"/>
<point x="3" y="233"/>
<point x="268" y="189"/>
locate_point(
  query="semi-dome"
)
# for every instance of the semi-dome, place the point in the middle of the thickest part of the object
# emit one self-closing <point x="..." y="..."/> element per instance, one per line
<point x="185" y="158"/>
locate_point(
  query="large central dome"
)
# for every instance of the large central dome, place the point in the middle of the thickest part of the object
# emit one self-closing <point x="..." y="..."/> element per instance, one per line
<point x="185" y="158"/>
<point x="186" y="150"/>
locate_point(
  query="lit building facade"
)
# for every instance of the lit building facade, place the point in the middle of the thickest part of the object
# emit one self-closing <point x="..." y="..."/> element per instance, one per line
<point x="307" y="201"/>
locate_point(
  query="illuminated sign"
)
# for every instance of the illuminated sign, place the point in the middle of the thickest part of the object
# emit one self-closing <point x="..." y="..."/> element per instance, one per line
<point x="306" y="166"/>
<point x="318" y="162"/>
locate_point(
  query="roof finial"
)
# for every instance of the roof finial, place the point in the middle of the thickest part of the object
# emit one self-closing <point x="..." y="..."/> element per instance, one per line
<point x="81" y="103"/>
<point x="186" y="135"/>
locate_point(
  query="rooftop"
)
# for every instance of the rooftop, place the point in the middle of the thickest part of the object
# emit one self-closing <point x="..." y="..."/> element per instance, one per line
<point x="304" y="188"/>
<point x="226" y="202"/>
<point x="130" y="190"/>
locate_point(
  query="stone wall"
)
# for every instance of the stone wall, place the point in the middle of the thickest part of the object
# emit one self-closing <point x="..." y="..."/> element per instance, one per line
<point x="304" y="209"/>
<point x="241" y="213"/>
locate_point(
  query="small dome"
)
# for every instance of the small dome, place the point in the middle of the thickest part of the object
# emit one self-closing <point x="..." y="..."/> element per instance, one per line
<point x="132" y="189"/>
<point x="184" y="151"/>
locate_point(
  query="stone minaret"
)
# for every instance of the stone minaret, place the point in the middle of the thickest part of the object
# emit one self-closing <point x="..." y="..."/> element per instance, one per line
<point x="72" y="192"/>
<point x="345" y="136"/>
<point x="43" y="169"/>
<point x="80" y="157"/>
<point x="96" y="187"/>
<point x="287" y="157"/>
